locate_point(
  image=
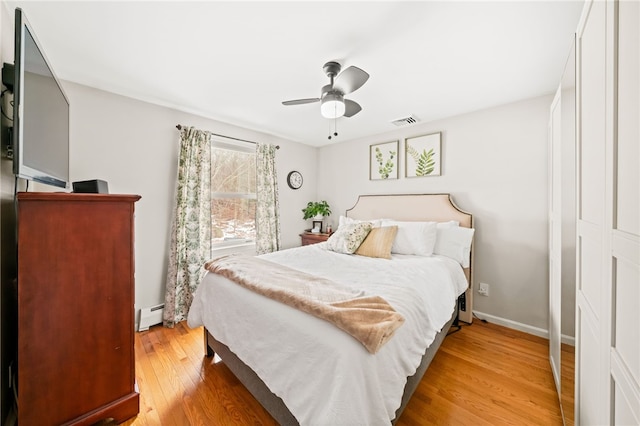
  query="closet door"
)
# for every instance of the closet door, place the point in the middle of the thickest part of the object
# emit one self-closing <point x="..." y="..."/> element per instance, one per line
<point x="593" y="293"/>
<point x="555" y="237"/>
<point x="625" y="229"/>
<point x="608" y="293"/>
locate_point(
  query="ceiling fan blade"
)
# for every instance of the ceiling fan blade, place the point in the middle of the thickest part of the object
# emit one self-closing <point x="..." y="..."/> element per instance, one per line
<point x="351" y="108"/>
<point x="301" y="101"/>
<point x="350" y="80"/>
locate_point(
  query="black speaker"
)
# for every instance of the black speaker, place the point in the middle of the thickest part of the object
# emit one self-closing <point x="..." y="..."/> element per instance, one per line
<point x="94" y="186"/>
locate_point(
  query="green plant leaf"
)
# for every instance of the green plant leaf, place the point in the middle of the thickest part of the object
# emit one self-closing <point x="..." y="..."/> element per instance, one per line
<point x="315" y="208"/>
<point x="413" y="153"/>
<point x="385" y="167"/>
<point x="426" y="163"/>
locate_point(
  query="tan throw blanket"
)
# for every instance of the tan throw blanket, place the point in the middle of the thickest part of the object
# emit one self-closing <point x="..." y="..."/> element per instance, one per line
<point x="369" y="319"/>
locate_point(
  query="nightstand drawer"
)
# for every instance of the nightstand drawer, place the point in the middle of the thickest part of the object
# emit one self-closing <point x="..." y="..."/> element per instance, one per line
<point x="311" y="238"/>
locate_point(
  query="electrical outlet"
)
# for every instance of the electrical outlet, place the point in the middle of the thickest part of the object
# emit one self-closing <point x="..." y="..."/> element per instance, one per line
<point x="484" y="289"/>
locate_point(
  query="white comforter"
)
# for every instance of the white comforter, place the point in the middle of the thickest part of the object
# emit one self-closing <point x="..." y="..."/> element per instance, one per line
<point x="324" y="376"/>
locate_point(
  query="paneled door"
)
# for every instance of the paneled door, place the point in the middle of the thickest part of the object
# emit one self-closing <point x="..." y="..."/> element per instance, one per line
<point x="625" y="215"/>
<point x="555" y="237"/>
<point x="608" y="252"/>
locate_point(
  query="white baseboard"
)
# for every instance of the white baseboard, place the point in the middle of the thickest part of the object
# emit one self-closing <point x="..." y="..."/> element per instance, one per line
<point x="540" y="332"/>
<point x="569" y="340"/>
<point x="536" y="331"/>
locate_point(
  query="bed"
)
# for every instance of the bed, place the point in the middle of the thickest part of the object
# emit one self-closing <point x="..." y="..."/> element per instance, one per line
<point x="263" y="341"/>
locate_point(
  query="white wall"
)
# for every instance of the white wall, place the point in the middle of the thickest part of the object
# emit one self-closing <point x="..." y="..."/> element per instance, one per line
<point x="495" y="167"/>
<point x="133" y="146"/>
<point x="494" y="164"/>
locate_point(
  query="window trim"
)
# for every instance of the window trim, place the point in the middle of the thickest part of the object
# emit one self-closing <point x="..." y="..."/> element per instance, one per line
<point x="233" y="145"/>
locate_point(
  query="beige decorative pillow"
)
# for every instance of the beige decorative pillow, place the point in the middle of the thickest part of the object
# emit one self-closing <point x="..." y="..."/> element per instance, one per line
<point x="348" y="237"/>
<point x="379" y="242"/>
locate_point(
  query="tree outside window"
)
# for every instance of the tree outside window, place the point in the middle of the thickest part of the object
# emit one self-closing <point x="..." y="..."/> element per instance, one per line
<point x="233" y="194"/>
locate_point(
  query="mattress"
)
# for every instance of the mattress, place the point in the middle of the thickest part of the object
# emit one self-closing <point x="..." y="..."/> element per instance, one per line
<point x="325" y="376"/>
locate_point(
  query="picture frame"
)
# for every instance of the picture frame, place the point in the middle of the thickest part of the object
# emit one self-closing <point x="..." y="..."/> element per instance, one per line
<point x="423" y="155"/>
<point x="317" y="223"/>
<point x="383" y="161"/>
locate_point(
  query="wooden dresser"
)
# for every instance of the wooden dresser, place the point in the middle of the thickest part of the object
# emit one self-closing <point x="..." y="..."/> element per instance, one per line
<point x="75" y="308"/>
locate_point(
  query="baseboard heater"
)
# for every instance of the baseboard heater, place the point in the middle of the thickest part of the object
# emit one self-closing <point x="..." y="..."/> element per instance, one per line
<point x="150" y="316"/>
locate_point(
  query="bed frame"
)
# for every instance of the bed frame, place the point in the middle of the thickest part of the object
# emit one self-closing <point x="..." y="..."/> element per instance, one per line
<point x="419" y="207"/>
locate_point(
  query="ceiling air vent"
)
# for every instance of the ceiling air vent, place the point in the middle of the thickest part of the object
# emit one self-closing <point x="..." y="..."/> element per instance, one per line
<point x="406" y="120"/>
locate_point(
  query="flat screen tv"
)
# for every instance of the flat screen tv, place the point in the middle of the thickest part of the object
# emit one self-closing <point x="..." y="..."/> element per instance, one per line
<point x="40" y="113"/>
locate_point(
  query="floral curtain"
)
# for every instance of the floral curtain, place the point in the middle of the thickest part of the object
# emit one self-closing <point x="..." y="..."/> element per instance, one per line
<point x="267" y="208"/>
<point x="191" y="228"/>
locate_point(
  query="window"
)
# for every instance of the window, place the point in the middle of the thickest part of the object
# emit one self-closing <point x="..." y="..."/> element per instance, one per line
<point x="233" y="194"/>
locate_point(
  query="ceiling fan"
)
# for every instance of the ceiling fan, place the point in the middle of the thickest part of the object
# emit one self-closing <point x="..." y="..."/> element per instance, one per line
<point x="332" y="101"/>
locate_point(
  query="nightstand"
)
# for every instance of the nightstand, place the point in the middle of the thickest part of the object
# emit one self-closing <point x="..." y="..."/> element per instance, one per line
<point x="311" y="238"/>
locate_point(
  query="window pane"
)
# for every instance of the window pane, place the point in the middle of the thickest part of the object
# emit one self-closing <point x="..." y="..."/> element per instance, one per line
<point x="233" y="219"/>
<point x="233" y="196"/>
<point x="233" y="171"/>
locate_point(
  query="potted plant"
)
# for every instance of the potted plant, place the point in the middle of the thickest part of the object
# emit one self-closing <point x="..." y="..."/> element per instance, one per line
<point x="316" y="210"/>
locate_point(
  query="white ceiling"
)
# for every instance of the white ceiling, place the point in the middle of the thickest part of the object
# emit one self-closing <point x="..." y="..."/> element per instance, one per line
<point x="237" y="61"/>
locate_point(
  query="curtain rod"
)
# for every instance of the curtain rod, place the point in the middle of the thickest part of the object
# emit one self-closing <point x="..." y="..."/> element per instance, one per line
<point x="179" y="127"/>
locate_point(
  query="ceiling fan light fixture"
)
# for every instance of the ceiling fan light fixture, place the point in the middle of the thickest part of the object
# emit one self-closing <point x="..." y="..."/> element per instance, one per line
<point x="332" y="105"/>
<point x="332" y="102"/>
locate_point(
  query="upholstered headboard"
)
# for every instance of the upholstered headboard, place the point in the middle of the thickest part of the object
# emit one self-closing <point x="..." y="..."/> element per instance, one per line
<point x="418" y="207"/>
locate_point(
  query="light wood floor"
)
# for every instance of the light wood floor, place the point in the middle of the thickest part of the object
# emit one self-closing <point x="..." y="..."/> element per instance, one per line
<point x="482" y="375"/>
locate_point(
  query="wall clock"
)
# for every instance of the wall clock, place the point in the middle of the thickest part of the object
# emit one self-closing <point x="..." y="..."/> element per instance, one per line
<point x="294" y="179"/>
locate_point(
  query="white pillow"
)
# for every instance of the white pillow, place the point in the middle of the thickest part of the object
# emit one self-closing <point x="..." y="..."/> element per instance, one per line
<point x="343" y="220"/>
<point x="416" y="238"/>
<point x="455" y="242"/>
<point x="449" y="224"/>
<point x="444" y="225"/>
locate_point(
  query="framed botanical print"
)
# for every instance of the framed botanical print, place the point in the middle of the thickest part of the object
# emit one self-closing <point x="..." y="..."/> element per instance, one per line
<point x="423" y="155"/>
<point x="383" y="161"/>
